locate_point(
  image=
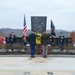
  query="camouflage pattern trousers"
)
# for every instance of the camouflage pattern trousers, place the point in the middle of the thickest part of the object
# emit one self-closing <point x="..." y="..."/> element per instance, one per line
<point x="45" y="50"/>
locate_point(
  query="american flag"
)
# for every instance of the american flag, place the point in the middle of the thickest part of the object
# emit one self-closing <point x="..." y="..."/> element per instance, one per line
<point x="25" y="27"/>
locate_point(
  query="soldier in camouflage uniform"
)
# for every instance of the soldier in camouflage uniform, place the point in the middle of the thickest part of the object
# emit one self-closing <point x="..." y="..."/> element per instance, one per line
<point x="45" y="42"/>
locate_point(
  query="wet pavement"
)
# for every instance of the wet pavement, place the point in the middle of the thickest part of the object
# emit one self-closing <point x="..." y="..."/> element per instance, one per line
<point x="37" y="66"/>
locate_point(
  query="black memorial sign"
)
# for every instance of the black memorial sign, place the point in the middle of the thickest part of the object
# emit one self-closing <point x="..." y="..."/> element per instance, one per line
<point x="38" y="24"/>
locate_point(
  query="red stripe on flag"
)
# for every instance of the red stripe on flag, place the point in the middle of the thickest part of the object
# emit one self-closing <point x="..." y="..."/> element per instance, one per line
<point x="25" y="27"/>
<point x="25" y="30"/>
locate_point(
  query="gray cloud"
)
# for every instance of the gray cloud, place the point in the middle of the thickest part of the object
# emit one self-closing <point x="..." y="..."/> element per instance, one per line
<point x="62" y="12"/>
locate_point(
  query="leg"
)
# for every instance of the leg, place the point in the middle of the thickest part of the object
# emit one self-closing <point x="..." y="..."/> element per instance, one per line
<point x="11" y="43"/>
<point x="61" y="47"/>
<point x="31" y="49"/>
<point x="25" y="43"/>
<point x="46" y="50"/>
<point x="43" y="49"/>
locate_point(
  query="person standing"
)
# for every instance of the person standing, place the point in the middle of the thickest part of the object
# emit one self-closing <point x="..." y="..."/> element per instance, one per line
<point x="24" y="40"/>
<point x="61" y="41"/>
<point x="12" y="38"/>
<point x="32" y="42"/>
<point x="45" y="42"/>
<point x="52" y="36"/>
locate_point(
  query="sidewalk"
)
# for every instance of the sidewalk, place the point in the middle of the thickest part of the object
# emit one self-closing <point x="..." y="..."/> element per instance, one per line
<point x="51" y="55"/>
<point x="37" y="66"/>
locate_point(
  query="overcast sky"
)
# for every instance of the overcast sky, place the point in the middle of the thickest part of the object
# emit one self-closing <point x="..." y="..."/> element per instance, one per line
<point x="61" y="12"/>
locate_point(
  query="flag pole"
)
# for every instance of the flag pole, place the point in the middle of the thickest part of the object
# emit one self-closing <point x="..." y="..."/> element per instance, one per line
<point x="24" y="30"/>
<point x="25" y="27"/>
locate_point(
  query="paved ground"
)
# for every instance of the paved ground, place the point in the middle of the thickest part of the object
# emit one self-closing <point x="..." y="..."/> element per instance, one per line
<point x="25" y="65"/>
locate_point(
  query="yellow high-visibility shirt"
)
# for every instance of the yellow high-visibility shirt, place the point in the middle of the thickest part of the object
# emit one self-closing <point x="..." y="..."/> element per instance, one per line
<point x="38" y="38"/>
